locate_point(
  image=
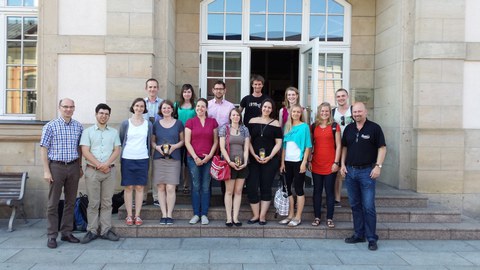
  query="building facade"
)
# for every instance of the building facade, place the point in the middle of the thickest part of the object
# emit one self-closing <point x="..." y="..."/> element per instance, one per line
<point x="414" y="62"/>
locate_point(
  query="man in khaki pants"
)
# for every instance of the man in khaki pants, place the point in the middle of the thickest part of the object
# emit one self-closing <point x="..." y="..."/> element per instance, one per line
<point x="100" y="147"/>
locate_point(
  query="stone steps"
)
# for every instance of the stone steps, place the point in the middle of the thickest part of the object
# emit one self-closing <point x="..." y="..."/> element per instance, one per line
<point x="401" y="215"/>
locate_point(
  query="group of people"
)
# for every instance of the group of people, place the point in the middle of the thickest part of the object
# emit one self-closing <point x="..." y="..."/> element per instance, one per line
<point x="185" y="136"/>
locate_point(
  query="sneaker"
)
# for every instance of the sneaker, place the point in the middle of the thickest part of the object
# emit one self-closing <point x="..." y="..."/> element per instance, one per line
<point x="353" y="239"/>
<point x="163" y="221"/>
<point x="205" y="220"/>
<point x="110" y="235"/>
<point x="138" y="221"/>
<point x="129" y="221"/>
<point x="156" y="203"/>
<point x="169" y="221"/>
<point x="194" y="220"/>
<point x="89" y="236"/>
<point x="372" y="245"/>
<point x="338" y="204"/>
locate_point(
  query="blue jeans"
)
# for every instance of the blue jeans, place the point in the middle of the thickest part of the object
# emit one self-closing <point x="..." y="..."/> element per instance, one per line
<point x="200" y="182"/>
<point x="361" y="195"/>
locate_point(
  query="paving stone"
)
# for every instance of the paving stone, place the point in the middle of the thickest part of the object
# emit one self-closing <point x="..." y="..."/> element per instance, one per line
<point x="442" y="245"/>
<point x="475" y="243"/>
<point x="410" y="267"/>
<point x="16" y="266"/>
<point x="343" y="267"/>
<point x="143" y="266"/>
<point x="301" y="257"/>
<point x="25" y="242"/>
<point x="269" y="243"/>
<point x="6" y="253"/>
<point x="111" y="256"/>
<point x="67" y="266"/>
<point x="396" y="245"/>
<point x="433" y="258"/>
<point x="276" y="267"/>
<point x="370" y="257"/>
<point x="177" y="256"/>
<point x="325" y="244"/>
<point x="210" y="243"/>
<point x="199" y="266"/>
<point x="151" y="243"/>
<point x="35" y="255"/>
<point x="242" y="256"/>
<point x="473" y="257"/>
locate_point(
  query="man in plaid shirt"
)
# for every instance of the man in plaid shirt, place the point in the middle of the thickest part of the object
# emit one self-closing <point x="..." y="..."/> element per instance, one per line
<point x="61" y="157"/>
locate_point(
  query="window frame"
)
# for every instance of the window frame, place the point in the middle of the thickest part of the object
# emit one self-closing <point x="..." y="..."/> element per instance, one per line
<point x="12" y="11"/>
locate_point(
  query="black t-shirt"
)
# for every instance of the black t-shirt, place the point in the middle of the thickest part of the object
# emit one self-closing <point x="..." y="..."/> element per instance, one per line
<point x="362" y="145"/>
<point x="267" y="141"/>
<point x="252" y="106"/>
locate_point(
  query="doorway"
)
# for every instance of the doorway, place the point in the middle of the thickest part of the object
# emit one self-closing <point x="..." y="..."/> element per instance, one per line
<point x="279" y="67"/>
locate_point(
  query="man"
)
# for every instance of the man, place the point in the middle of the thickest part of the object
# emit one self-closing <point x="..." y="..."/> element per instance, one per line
<point x="153" y="101"/>
<point x="61" y="158"/>
<point x="342" y="115"/>
<point x="363" y="153"/>
<point x="100" y="147"/>
<point x="252" y="102"/>
<point x="218" y="107"/>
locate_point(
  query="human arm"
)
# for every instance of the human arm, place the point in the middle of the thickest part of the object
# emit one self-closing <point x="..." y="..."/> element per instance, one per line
<point x="375" y="173"/>
<point x="47" y="175"/>
<point x="189" y="146"/>
<point x="282" y="162"/>
<point x="246" y="147"/>
<point x="303" y="166"/>
<point x="338" y="151"/>
<point x="214" y="147"/>
<point x="343" y="168"/>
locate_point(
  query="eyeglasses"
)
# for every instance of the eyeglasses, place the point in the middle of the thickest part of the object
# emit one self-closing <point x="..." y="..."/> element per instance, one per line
<point x="68" y="107"/>
<point x="343" y="120"/>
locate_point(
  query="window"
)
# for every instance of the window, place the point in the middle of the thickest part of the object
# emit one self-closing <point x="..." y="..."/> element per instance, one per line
<point x="225" y="20"/>
<point x="18" y="38"/>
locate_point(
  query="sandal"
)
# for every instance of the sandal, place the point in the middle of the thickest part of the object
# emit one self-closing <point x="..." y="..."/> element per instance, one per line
<point x="129" y="220"/>
<point x="330" y="223"/>
<point x="138" y="221"/>
<point x="284" y="221"/>
<point x="186" y="190"/>
<point x="316" y="222"/>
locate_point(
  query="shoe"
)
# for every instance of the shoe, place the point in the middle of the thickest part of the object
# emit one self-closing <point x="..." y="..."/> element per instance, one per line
<point x="284" y="221"/>
<point x="52" y="243"/>
<point x="330" y="224"/>
<point x="372" y="245"/>
<point x="138" y="221"/>
<point x="294" y="223"/>
<point x="238" y="224"/>
<point x="263" y="223"/>
<point x="316" y="222"/>
<point x="169" y="221"/>
<point x="88" y="237"/>
<point x="70" y="238"/>
<point x="163" y="221"/>
<point x="156" y="203"/>
<point x="129" y="221"/>
<point x="186" y="190"/>
<point x="229" y="224"/>
<point x="337" y="204"/>
<point x="110" y="235"/>
<point x="252" y="221"/>
<point x="205" y="220"/>
<point x="194" y="220"/>
<point x="353" y="239"/>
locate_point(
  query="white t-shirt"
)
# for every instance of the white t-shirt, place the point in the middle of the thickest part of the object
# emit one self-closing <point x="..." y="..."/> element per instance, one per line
<point x="136" y="145"/>
<point x="347" y="118"/>
<point x="292" y="152"/>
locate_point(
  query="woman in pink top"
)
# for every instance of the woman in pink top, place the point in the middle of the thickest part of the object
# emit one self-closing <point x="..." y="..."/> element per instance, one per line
<point x="201" y="141"/>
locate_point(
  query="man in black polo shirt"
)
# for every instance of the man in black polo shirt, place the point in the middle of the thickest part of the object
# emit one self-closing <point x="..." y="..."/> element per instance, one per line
<point x="363" y="153"/>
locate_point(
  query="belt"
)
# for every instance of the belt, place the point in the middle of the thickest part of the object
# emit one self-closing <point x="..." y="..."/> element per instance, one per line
<point x="95" y="168"/>
<point x="359" y="167"/>
<point x="64" y="162"/>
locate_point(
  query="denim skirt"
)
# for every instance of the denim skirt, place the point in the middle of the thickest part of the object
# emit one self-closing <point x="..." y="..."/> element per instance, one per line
<point x="134" y="172"/>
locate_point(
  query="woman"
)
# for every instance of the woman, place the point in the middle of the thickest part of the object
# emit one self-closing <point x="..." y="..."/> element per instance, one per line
<point x="296" y="151"/>
<point x="135" y="134"/>
<point x="325" y="161"/>
<point x="201" y="141"/>
<point x="266" y="141"/>
<point x="237" y="157"/>
<point x="292" y="97"/>
<point x="184" y="110"/>
<point x="167" y="140"/>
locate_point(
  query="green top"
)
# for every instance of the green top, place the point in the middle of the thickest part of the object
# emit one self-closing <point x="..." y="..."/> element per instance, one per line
<point x="101" y="141"/>
<point x="184" y="114"/>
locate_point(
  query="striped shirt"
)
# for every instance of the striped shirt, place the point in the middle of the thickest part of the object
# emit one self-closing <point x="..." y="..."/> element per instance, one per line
<point x="62" y="139"/>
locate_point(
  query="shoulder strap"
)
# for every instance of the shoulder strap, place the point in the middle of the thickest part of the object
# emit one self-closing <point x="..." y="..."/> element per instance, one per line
<point x="334" y="131"/>
<point x="333" y="112"/>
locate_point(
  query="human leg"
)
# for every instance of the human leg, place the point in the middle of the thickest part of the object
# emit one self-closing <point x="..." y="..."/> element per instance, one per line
<point x="237" y="198"/>
<point x="54" y="193"/>
<point x="107" y="190"/>
<point x="205" y="188"/>
<point x="195" y="184"/>
<point x="138" y="199"/>
<point x="299" y="182"/>
<point x="93" y="188"/>
<point x="355" y="200"/>
<point x="317" y="194"/>
<point x="252" y="189"/>
<point x="367" y="186"/>
<point x="162" y="199"/>
<point x="70" y="193"/>
<point x="289" y="175"/>
<point x="228" y="200"/>
<point x="171" y="198"/>
<point x="330" y="181"/>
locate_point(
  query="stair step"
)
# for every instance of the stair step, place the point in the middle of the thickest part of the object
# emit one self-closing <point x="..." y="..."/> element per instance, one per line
<point x="384" y="214"/>
<point x="466" y="230"/>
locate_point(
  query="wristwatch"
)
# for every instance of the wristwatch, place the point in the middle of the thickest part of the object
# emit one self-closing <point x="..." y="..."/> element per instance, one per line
<point x="378" y="165"/>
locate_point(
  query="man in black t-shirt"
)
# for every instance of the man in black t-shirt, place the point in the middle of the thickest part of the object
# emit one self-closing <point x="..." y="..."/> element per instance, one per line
<point x="252" y="102"/>
<point x="363" y="153"/>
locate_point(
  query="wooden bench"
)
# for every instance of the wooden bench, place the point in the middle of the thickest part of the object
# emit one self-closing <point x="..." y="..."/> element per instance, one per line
<point x="12" y="189"/>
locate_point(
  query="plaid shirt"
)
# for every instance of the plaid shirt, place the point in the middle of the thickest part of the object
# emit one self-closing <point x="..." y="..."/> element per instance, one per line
<point x="62" y="139"/>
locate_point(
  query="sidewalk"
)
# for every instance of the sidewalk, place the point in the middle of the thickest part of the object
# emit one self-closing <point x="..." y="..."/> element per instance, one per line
<point x="25" y="248"/>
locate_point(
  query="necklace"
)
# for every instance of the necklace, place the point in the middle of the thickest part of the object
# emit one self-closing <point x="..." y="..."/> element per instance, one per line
<point x="263" y="126"/>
